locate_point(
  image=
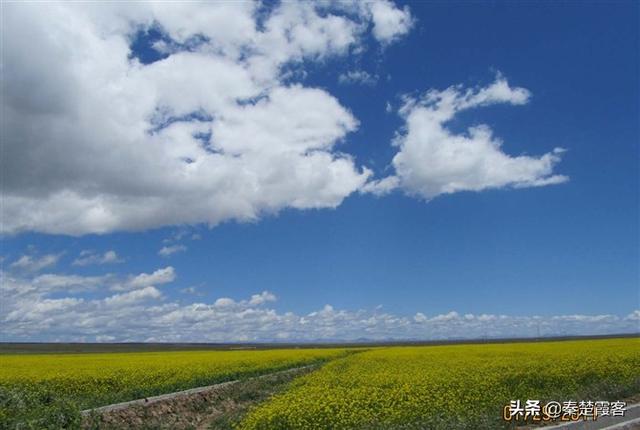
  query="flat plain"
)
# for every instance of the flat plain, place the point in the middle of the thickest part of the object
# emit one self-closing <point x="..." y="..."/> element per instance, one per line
<point x="450" y="387"/>
<point x="385" y="387"/>
<point x="49" y="390"/>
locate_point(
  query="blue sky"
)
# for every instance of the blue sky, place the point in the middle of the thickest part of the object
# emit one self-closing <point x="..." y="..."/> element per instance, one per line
<point x="397" y="257"/>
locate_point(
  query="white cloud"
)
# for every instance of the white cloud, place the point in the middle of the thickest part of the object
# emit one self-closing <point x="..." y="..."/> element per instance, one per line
<point x="211" y="133"/>
<point x="383" y="186"/>
<point x="451" y="316"/>
<point x="88" y="257"/>
<point x="32" y="263"/>
<point x="264" y="297"/>
<point x="166" y="251"/>
<point x="50" y="282"/>
<point x="134" y="296"/>
<point x="389" y="22"/>
<point x="358" y="77"/>
<point x="160" y="276"/>
<point x="180" y="234"/>
<point x="388" y="108"/>
<point x="31" y="313"/>
<point x="432" y="160"/>
<point x="420" y="317"/>
<point x="224" y="302"/>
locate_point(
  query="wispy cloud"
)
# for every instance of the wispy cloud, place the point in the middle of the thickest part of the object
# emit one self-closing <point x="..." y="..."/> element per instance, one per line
<point x="159" y="277"/>
<point x="33" y="263"/>
<point x="169" y="250"/>
<point x="89" y="257"/>
<point x="358" y="77"/>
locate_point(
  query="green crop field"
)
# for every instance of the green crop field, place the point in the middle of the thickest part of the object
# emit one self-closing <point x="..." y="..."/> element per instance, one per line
<point x="452" y="386"/>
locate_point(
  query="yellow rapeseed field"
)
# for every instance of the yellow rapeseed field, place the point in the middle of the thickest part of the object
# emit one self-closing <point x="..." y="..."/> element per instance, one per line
<point x="48" y="390"/>
<point x="450" y="387"/>
<point x="430" y="387"/>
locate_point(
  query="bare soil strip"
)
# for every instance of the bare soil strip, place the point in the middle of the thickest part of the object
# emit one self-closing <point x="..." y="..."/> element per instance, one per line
<point x="212" y="407"/>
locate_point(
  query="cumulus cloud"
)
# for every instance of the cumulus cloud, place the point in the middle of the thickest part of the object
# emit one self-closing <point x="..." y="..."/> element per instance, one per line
<point x="51" y="307"/>
<point x="264" y="297"/>
<point x="32" y="263"/>
<point x="166" y="251"/>
<point x="358" y="77"/>
<point x="134" y="296"/>
<point x="224" y="302"/>
<point x="634" y="316"/>
<point x="160" y="276"/>
<point x="432" y="160"/>
<point x="88" y="257"/>
<point x="389" y="22"/>
<point x="95" y="140"/>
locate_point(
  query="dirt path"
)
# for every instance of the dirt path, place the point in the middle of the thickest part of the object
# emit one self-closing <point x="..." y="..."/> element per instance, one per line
<point x="212" y="407"/>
